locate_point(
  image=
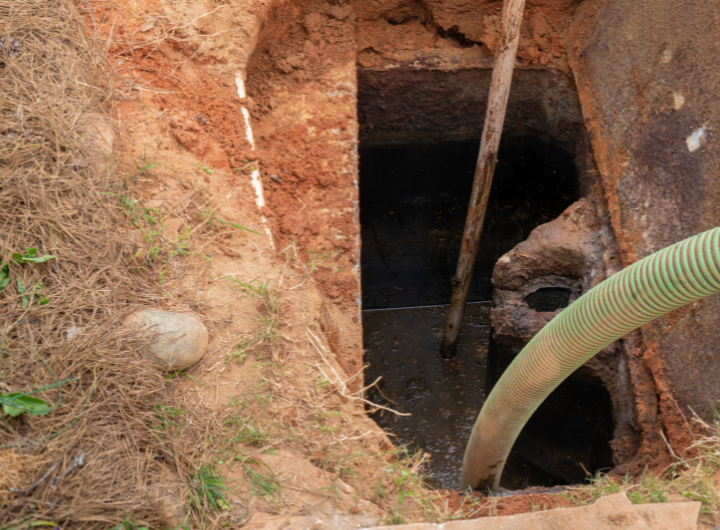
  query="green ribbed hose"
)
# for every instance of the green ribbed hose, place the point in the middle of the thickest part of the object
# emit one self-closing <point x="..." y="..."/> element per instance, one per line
<point x="664" y="281"/>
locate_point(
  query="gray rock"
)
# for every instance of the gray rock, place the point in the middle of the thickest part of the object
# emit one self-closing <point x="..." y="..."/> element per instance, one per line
<point x="180" y="340"/>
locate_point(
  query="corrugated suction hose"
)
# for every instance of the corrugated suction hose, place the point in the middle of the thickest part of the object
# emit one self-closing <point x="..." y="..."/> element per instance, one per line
<point x="664" y="281"/>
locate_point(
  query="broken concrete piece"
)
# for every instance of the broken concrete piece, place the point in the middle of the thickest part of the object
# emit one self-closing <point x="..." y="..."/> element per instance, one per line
<point x="571" y="255"/>
<point x="670" y="516"/>
<point x="266" y="521"/>
<point x="181" y="340"/>
<point x="614" y="512"/>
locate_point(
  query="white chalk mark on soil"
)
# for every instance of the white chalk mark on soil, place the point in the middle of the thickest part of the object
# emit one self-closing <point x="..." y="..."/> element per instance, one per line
<point x="255" y="175"/>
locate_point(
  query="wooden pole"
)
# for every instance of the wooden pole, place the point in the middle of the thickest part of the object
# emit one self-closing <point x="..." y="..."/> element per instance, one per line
<point x="494" y="119"/>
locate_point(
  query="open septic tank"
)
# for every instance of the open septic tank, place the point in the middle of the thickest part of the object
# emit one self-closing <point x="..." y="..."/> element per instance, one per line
<point x="416" y="173"/>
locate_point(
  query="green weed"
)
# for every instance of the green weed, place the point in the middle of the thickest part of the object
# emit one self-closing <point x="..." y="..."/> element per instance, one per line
<point x="28" y="292"/>
<point x="317" y="258"/>
<point x="31" y="256"/>
<point x="205" y="256"/>
<point x="165" y="419"/>
<point x="239" y="227"/>
<point x="32" y="524"/>
<point x="180" y="246"/>
<point x="240" y="350"/>
<point x="249" y="433"/>
<point x="205" y="169"/>
<point x="208" y="490"/>
<point x="650" y="489"/>
<point x="15" y="403"/>
<point x="291" y="252"/>
<point x="129" y="523"/>
<point x="140" y="217"/>
<point x="693" y="479"/>
<point x="321" y="383"/>
<point x="268" y="332"/>
<point x="151" y="224"/>
<point x="250" y="165"/>
<point x="406" y="474"/>
<point x="255" y="287"/>
<point x="265" y="484"/>
<point x="209" y="216"/>
<point x="146" y="166"/>
<point x="394" y="518"/>
<point x="4" y="275"/>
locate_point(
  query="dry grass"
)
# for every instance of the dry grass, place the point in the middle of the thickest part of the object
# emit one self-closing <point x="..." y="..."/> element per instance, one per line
<point x="88" y="462"/>
<point x="693" y="478"/>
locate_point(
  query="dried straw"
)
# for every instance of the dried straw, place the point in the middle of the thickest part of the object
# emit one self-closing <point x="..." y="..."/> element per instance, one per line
<point x="88" y="462"/>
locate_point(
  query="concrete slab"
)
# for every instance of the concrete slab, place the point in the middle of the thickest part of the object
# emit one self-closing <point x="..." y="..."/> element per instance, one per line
<point x="614" y="512"/>
<point x="670" y="516"/>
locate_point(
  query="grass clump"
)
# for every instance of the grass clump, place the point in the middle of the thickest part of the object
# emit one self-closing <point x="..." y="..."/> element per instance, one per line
<point x="695" y="478"/>
<point x="81" y="440"/>
<point x="268" y="331"/>
<point x="208" y="490"/>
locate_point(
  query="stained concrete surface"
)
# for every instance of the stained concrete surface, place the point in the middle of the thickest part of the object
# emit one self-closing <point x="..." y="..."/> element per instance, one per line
<point x="648" y="73"/>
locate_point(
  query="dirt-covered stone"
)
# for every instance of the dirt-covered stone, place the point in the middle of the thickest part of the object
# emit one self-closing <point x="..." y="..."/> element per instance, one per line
<point x="180" y="340"/>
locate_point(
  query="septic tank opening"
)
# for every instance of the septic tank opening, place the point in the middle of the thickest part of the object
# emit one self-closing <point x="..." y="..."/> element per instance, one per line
<point x="419" y="139"/>
<point x="549" y="299"/>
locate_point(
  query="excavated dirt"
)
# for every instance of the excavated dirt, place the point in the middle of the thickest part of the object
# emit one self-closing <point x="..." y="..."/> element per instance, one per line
<point x="187" y="71"/>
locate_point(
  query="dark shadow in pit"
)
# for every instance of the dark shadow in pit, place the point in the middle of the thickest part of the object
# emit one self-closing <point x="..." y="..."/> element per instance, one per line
<point x="413" y="204"/>
<point x="548" y="299"/>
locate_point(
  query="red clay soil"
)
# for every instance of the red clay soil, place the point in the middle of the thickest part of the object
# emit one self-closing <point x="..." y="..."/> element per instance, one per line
<point x="204" y="109"/>
<point x="386" y="28"/>
<point x="308" y="174"/>
<point x="483" y="506"/>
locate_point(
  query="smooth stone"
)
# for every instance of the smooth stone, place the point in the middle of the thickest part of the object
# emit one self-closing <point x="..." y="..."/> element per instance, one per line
<point x="181" y="340"/>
